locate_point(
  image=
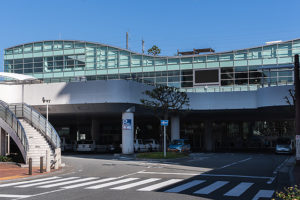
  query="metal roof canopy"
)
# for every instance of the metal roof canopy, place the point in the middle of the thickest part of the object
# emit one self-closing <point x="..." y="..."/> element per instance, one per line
<point x="19" y="77"/>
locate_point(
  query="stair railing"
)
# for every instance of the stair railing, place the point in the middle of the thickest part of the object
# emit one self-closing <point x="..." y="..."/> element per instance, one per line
<point x="38" y="121"/>
<point x="11" y="119"/>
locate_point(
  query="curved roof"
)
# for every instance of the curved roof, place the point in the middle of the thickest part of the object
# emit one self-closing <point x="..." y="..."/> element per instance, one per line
<point x="158" y="56"/>
<point x="19" y="77"/>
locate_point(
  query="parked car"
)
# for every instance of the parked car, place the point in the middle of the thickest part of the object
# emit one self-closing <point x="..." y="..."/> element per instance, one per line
<point x="139" y="146"/>
<point x="86" y="146"/>
<point x="152" y="144"/>
<point x="285" y="146"/>
<point x="179" y="145"/>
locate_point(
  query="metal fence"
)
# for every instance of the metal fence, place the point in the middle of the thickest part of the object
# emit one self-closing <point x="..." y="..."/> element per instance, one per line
<point x="38" y="121"/>
<point x="11" y="119"/>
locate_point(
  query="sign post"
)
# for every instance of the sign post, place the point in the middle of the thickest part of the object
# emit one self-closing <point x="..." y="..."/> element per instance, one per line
<point x="164" y="123"/>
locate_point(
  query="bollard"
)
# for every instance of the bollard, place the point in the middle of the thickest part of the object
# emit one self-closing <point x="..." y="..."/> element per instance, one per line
<point x="30" y="166"/>
<point x="41" y="164"/>
<point x="47" y="161"/>
<point x="56" y="159"/>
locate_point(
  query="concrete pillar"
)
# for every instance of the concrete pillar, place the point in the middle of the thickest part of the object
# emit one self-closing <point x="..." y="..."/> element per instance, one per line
<point x="127" y="132"/>
<point x="208" y="136"/>
<point x="2" y="143"/>
<point x="95" y="130"/>
<point x="175" y="127"/>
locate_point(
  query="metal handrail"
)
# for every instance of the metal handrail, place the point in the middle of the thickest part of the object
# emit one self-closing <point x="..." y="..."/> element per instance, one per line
<point x="11" y="119"/>
<point x="38" y="121"/>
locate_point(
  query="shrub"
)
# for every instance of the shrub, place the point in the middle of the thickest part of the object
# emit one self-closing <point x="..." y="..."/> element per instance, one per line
<point x="289" y="193"/>
<point x="5" y="159"/>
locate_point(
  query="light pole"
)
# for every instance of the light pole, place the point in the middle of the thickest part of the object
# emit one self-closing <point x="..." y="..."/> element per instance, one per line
<point x="47" y="101"/>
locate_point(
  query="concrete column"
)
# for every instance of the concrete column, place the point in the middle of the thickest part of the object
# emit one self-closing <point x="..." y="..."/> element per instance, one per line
<point x="3" y="142"/>
<point x="2" y="145"/>
<point x="95" y="130"/>
<point x="175" y="127"/>
<point x="127" y="133"/>
<point x="208" y="136"/>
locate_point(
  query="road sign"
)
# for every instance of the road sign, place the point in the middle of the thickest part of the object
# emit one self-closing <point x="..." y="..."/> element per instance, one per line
<point x="126" y="124"/>
<point x="164" y="122"/>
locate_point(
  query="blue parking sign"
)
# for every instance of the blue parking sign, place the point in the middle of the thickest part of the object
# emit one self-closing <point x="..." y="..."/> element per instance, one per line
<point x="164" y="122"/>
<point x="126" y="124"/>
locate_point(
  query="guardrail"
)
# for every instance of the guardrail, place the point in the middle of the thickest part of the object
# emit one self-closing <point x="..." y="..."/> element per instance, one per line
<point x="38" y="121"/>
<point x="11" y="119"/>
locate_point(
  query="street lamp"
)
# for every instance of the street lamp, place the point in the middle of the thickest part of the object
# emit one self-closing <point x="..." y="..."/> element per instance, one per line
<point x="47" y="101"/>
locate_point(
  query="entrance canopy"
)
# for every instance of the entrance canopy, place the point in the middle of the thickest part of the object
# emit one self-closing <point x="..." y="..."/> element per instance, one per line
<point x="19" y="77"/>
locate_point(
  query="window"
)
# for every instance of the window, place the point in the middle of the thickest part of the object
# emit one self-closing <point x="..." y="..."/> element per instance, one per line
<point x="206" y="76"/>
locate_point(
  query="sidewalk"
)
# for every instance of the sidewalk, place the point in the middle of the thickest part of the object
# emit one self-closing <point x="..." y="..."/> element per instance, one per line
<point x="10" y="171"/>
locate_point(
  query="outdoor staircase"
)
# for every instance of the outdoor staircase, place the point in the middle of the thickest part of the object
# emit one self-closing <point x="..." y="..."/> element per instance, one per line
<point x="38" y="145"/>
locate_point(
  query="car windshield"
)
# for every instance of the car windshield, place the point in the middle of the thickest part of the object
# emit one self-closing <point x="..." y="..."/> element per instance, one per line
<point x="177" y="142"/>
<point x="147" y="141"/>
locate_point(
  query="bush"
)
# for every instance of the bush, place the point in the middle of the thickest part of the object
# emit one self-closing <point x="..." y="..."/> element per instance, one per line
<point x="5" y="159"/>
<point x="289" y="193"/>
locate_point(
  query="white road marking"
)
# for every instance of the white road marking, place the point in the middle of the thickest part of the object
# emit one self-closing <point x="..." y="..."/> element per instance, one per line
<point x="263" y="194"/>
<point x="46" y="182"/>
<point x="111" y="183"/>
<point x="39" y="194"/>
<point x="67" y="182"/>
<point x="239" y="176"/>
<point x="167" y="173"/>
<point x="14" y="196"/>
<point x="279" y="166"/>
<point x="131" y="185"/>
<point x="89" y="183"/>
<point x="234" y="163"/>
<point x="239" y="189"/>
<point x="160" y="185"/>
<point x="32" y="181"/>
<point x="210" y="188"/>
<point x="188" y="185"/>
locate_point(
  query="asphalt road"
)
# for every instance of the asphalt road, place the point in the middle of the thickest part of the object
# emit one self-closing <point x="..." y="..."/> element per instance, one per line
<point x="201" y="176"/>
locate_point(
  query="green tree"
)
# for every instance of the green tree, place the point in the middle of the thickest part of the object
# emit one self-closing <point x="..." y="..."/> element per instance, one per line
<point x="164" y="100"/>
<point x="154" y="50"/>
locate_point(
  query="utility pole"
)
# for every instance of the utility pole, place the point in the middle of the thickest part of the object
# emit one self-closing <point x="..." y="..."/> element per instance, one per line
<point x="297" y="107"/>
<point x="126" y="40"/>
<point x="143" y="46"/>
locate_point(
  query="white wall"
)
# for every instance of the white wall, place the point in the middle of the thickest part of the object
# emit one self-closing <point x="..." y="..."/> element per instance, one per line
<point x="121" y="91"/>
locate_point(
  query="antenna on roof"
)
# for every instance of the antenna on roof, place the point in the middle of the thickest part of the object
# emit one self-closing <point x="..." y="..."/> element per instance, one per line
<point x="143" y="46"/>
<point x="126" y="40"/>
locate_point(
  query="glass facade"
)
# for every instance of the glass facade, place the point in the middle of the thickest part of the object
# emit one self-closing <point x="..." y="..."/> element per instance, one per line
<point x="65" y="61"/>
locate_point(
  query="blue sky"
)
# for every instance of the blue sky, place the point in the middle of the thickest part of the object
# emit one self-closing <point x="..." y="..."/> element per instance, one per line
<point x="170" y="24"/>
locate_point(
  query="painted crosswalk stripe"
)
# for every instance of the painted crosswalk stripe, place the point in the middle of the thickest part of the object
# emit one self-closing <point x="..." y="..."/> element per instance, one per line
<point x="46" y="182"/>
<point x="32" y="181"/>
<point x="88" y="183"/>
<point x="160" y="185"/>
<point x="263" y="194"/>
<point x="210" y="188"/>
<point x="131" y="185"/>
<point x="112" y="183"/>
<point x="14" y="196"/>
<point x="186" y="186"/>
<point x="239" y="189"/>
<point x="67" y="182"/>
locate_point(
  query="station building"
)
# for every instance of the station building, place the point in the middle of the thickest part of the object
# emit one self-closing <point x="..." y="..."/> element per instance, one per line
<point x="237" y="98"/>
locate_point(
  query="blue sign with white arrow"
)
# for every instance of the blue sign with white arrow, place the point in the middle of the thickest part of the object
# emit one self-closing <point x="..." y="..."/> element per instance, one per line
<point x="164" y="122"/>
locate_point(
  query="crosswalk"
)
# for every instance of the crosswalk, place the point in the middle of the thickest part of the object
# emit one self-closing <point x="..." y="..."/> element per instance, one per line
<point x="195" y="187"/>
